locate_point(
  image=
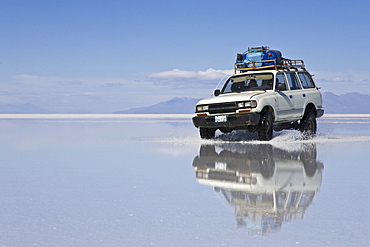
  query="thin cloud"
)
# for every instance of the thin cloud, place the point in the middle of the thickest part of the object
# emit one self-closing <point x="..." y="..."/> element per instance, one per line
<point x="65" y="82"/>
<point x="70" y="83"/>
<point x="341" y="82"/>
<point x="113" y="84"/>
<point x="177" y="75"/>
<point x="341" y="76"/>
<point x="184" y="79"/>
<point x="26" y="79"/>
<point x="334" y="79"/>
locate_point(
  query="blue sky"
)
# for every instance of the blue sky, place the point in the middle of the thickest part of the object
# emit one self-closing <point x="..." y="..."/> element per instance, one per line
<point x="104" y="56"/>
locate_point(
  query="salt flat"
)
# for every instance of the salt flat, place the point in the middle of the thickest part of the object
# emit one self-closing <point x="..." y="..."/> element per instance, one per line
<point x="141" y="180"/>
<point x="125" y="116"/>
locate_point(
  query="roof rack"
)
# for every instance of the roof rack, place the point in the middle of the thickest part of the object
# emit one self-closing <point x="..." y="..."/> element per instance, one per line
<point x="268" y="64"/>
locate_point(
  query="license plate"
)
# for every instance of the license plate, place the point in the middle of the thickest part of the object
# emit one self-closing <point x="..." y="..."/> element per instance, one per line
<point x="220" y="119"/>
<point x="220" y="166"/>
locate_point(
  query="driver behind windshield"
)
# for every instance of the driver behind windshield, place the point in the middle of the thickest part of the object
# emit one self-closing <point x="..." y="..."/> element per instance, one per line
<point x="240" y="84"/>
<point x="265" y="85"/>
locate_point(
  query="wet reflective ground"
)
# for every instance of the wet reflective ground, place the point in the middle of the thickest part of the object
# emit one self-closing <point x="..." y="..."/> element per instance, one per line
<point x="153" y="182"/>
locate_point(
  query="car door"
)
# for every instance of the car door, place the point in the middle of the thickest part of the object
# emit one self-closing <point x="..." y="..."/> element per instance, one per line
<point x="309" y="88"/>
<point x="284" y="103"/>
<point x="296" y="94"/>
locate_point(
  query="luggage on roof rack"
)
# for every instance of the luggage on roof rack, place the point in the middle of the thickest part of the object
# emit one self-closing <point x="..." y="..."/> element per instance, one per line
<point x="263" y="58"/>
<point x="249" y="58"/>
<point x="272" y="55"/>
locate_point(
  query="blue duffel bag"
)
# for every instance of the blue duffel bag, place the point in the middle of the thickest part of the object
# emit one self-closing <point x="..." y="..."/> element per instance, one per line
<point x="272" y="55"/>
<point x="247" y="58"/>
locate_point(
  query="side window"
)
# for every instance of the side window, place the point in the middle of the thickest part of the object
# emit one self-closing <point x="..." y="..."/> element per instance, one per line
<point x="306" y="80"/>
<point x="292" y="80"/>
<point x="280" y="84"/>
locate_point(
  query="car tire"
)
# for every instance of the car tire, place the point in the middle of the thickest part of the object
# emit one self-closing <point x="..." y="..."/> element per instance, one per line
<point x="265" y="127"/>
<point x="207" y="133"/>
<point x="308" y="125"/>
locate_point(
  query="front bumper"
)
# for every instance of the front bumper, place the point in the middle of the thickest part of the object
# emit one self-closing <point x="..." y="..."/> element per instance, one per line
<point x="241" y="120"/>
<point x="319" y="113"/>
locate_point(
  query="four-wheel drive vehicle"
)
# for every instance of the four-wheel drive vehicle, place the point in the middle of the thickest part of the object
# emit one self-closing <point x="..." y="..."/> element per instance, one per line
<point x="262" y="96"/>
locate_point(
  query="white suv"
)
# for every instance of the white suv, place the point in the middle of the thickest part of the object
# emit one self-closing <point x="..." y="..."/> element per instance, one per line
<point x="263" y="99"/>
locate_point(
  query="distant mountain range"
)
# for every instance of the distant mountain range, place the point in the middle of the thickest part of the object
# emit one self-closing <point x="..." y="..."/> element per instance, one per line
<point x="22" y="109"/>
<point x="355" y="103"/>
<point x="172" y="106"/>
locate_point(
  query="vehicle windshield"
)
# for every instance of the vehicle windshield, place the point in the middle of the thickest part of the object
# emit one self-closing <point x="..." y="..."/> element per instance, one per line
<point x="249" y="82"/>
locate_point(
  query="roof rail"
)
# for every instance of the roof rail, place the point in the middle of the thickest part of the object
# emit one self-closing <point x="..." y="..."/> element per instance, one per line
<point x="268" y="64"/>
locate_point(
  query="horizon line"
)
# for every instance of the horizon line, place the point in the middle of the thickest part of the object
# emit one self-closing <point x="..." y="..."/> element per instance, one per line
<point x="133" y="115"/>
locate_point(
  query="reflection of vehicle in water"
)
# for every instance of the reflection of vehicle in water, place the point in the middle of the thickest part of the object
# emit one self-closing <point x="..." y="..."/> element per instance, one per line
<point x="266" y="185"/>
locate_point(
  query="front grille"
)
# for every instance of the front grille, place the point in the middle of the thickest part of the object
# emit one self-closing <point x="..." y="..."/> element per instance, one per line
<point x="222" y="108"/>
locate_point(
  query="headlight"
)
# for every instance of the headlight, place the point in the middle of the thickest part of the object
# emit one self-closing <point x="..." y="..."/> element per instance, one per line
<point x="202" y="108"/>
<point x="240" y="104"/>
<point x="247" y="104"/>
<point x="246" y="179"/>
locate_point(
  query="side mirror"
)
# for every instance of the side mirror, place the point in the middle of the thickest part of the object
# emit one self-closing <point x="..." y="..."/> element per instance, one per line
<point x="281" y="87"/>
<point x="217" y="92"/>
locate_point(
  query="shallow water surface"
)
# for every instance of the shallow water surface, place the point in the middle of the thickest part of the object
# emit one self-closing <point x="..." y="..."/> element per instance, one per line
<point x="151" y="181"/>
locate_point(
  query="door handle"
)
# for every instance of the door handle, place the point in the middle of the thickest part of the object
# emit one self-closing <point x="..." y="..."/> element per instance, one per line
<point x="290" y="96"/>
<point x="304" y="95"/>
